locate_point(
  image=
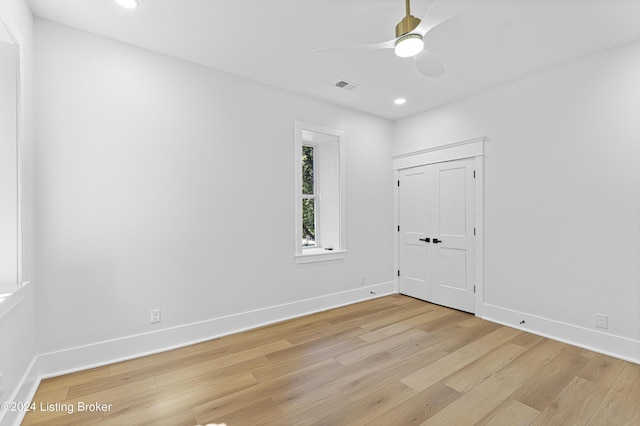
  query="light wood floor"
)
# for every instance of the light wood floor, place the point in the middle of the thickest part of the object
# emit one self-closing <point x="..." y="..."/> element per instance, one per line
<point x="388" y="361"/>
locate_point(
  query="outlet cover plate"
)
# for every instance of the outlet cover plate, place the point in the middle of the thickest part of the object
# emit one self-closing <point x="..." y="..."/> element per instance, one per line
<point x="602" y="321"/>
<point x="155" y="316"/>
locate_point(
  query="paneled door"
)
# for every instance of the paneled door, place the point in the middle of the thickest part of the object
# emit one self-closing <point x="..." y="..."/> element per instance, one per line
<point x="437" y="227"/>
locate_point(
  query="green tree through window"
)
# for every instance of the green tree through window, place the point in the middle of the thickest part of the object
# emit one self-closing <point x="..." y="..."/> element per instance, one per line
<point x="309" y="197"/>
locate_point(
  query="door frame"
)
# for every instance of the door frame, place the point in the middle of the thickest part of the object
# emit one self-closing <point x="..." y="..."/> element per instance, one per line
<point x="472" y="148"/>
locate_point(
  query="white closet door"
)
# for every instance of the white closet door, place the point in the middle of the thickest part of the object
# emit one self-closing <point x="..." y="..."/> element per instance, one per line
<point x="437" y="247"/>
<point x="415" y="219"/>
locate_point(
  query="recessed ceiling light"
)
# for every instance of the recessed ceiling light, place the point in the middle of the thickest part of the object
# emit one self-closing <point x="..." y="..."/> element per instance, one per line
<point x="128" y="4"/>
<point x="400" y="101"/>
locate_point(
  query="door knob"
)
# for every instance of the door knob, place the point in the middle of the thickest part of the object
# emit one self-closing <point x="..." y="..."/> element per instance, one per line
<point x="426" y="240"/>
<point x="436" y="241"/>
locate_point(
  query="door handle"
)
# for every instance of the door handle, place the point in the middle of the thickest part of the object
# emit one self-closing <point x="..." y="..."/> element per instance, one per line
<point x="436" y="241"/>
<point x="426" y="240"/>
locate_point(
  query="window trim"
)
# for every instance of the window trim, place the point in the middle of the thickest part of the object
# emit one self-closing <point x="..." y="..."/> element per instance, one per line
<point x="317" y="253"/>
<point x="17" y="37"/>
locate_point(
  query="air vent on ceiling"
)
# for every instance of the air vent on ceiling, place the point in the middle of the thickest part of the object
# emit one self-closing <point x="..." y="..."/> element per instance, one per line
<point x="346" y="85"/>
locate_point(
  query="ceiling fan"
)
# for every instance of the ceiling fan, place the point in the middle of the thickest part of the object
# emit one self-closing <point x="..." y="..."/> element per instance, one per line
<point x="410" y="33"/>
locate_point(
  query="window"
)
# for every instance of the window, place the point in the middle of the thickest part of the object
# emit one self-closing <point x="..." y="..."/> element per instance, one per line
<point x="10" y="259"/>
<point x="319" y="193"/>
<point x="309" y="198"/>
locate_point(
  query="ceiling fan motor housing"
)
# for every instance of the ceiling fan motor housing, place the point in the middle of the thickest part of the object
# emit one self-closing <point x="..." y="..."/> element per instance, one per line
<point x="408" y="24"/>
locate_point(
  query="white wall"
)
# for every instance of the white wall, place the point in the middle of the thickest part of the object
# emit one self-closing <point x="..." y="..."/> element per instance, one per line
<point x="17" y="313"/>
<point x="562" y="196"/>
<point x="163" y="184"/>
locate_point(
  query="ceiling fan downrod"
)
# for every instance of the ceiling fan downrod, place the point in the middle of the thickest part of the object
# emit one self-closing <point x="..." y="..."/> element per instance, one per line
<point x="408" y="23"/>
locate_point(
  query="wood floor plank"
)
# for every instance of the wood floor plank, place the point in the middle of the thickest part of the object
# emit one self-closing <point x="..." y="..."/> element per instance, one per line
<point x="620" y="405"/>
<point x="526" y="340"/>
<point x="299" y="358"/>
<point x="294" y="391"/>
<point x="311" y="332"/>
<point x="173" y="376"/>
<point x="451" y="317"/>
<point x="453" y="339"/>
<point x="173" y="401"/>
<point x="471" y="321"/>
<point x="401" y="326"/>
<point x="380" y="345"/>
<point x="533" y="360"/>
<point x="358" y="314"/>
<point x="132" y="389"/>
<point x="314" y="404"/>
<point x="258" y="412"/>
<point x="228" y="407"/>
<point x="314" y="379"/>
<point x="418" y="408"/>
<point x="469" y="376"/>
<point x="113" y="381"/>
<point x="395" y="369"/>
<point x="602" y="369"/>
<point x="388" y="361"/>
<point x="369" y="407"/>
<point x="164" y="410"/>
<point x="431" y="341"/>
<point x="57" y="394"/>
<point x="435" y="372"/>
<point x="154" y="417"/>
<point x="75" y="418"/>
<point x="474" y="405"/>
<point x="541" y="390"/>
<point x="280" y="388"/>
<point x="577" y="401"/>
<point x="395" y="315"/>
<point x="69" y="380"/>
<point x="510" y="412"/>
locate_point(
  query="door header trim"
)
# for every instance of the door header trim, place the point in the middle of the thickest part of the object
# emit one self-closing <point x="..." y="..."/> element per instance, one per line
<point x="452" y="151"/>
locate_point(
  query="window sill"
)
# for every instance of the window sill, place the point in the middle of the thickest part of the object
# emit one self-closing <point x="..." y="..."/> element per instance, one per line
<point x="320" y="255"/>
<point x="12" y="300"/>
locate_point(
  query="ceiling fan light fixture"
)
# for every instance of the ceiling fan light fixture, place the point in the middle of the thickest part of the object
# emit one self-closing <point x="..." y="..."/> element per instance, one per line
<point x="128" y="4"/>
<point x="409" y="45"/>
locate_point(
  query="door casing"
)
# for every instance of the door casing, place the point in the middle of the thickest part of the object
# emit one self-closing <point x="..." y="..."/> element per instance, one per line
<point x="472" y="148"/>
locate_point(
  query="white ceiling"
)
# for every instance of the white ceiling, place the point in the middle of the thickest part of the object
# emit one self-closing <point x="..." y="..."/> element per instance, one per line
<point x="491" y="42"/>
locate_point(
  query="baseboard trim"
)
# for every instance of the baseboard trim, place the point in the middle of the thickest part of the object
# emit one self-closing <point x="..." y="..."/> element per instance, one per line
<point x="108" y="352"/>
<point x="593" y="340"/>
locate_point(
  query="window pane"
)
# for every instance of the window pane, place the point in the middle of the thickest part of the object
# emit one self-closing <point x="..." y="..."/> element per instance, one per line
<point x="308" y="222"/>
<point x="307" y="170"/>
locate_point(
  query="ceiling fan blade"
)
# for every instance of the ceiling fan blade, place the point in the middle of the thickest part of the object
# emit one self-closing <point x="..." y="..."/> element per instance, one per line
<point x="390" y="44"/>
<point x="428" y="64"/>
<point x="439" y="12"/>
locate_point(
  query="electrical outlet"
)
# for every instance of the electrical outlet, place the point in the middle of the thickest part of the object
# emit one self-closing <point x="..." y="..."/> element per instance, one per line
<point x="362" y="280"/>
<point x="155" y="316"/>
<point x="602" y="321"/>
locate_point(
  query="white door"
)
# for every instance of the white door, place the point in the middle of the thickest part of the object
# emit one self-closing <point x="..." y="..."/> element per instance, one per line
<point x="415" y="220"/>
<point x="437" y="244"/>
